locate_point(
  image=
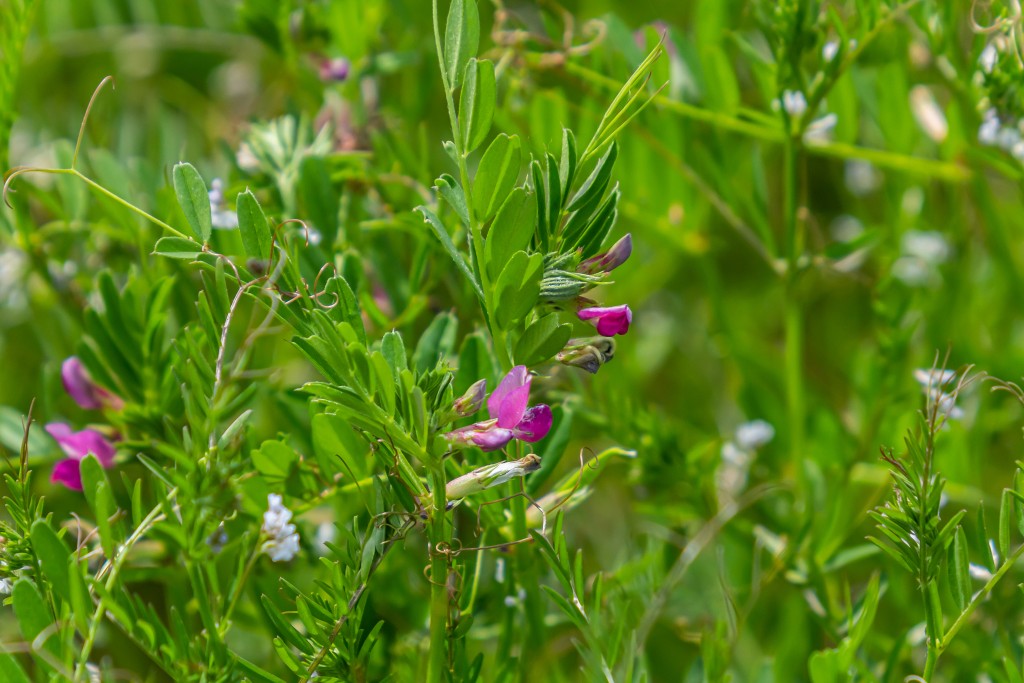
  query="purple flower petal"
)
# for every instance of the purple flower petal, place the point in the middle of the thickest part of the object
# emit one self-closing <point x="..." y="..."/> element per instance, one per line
<point x="493" y="439"/>
<point x="535" y="425"/>
<point x="611" y="320"/>
<point x="69" y="473"/>
<point x="77" y="445"/>
<point x="508" y="402"/>
<point x="78" y="384"/>
<point x="611" y="259"/>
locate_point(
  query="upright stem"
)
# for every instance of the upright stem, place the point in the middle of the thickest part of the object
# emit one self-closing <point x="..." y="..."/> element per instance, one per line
<point x="476" y="237"/>
<point x="794" y="322"/>
<point x="438" y="580"/>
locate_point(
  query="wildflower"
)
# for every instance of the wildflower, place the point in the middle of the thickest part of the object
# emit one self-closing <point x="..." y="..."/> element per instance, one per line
<point x="334" y="69"/>
<point x="752" y="435"/>
<point x="5" y="586"/>
<point x="589" y="353"/>
<point x="282" y="542"/>
<point x="988" y="131"/>
<point x="611" y="321"/>
<point x="931" y="382"/>
<point x="489" y="476"/>
<point x="829" y="50"/>
<point x="83" y="390"/>
<point x="988" y="58"/>
<point x="820" y="129"/>
<point x="861" y="177"/>
<point x="927" y="245"/>
<point x="610" y="260"/>
<point x="794" y="103"/>
<point x="928" y="114"/>
<point x="471" y="401"/>
<point x="220" y="217"/>
<point x="218" y="539"/>
<point x="77" y="445"/>
<point x="510" y="418"/>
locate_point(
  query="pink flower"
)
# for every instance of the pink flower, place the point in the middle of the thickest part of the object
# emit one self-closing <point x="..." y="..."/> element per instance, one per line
<point x="610" y="321"/>
<point x="83" y="390"/>
<point x="77" y="445"/>
<point x="510" y="417"/>
<point x="610" y="260"/>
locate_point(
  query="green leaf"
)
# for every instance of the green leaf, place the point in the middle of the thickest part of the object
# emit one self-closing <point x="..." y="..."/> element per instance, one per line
<point x="496" y="175"/>
<point x="1006" y="514"/>
<point x="959" y="567"/>
<point x="284" y="628"/>
<point x="446" y="241"/>
<point x="393" y="349"/>
<point x="274" y="459"/>
<point x="321" y="200"/>
<point x="594" y="186"/>
<point x="252" y="223"/>
<point x="53" y="555"/>
<point x="517" y="288"/>
<point x="178" y="247"/>
<point x="193" y="198"/>
<point x="10" y="670"/>
<point x="475" y="362"/>
<point x="452" y="193"/>
<point x="438" y="341"/>
<point x="511" y="230"/>
<point x="541" y="340"/>
<point x="461" y="39"/>
<point x="476" y="103"/>
<point x="33" y="614"/>
<point x="347" y="309"/>
<point x="567" y="164"/>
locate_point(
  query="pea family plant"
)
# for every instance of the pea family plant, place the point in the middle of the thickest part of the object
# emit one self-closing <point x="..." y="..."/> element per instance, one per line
<point x="318" y="357"/>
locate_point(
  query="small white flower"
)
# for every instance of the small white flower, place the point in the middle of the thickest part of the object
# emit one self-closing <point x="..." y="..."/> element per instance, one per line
<point x="927" y="245"/>
<point x="978" y="572"/>
<point x="1008" y="137"/>
<point x="6" y="585"/>
<point x="499" y="570"/>
<point x="946" y="404"/>
<point x="928" y="114"/>
<point x="913" y="271"/>
<point x="734" y="455"/>
<point x="862" y="178"/>
<point x="934" y="377"/>
<point x="820" y="129"/>
<point x="988" y="58"/>
<point x="282" y="542"/>
<point x="752" y="435"/>
<point x="988" y="131"/>
<point x="794" y="103"/>
<point x="845" y="228"/>
<point x="829" y="50"/>
<point x="220" y="218"/>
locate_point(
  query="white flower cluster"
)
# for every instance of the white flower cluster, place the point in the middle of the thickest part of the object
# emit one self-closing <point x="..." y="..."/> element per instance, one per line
<point x="220" y="217"/>
<point x="931" y="382"/>
<point x="282" y="542"/>
<point x="923" y="251"/>
<point x="737" y="455"/>
<point x="1006" y="136"/>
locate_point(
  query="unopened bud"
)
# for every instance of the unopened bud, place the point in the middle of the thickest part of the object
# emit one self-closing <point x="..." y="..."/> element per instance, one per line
<point x="470" y="402"/>
<point x="489" y="476"/>
<point x="611" y="259"/>
<point x="589" y="353"/>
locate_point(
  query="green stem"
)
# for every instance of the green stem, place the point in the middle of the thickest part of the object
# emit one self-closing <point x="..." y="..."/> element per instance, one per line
<point x="476" y="237"/>
<point x="438" y="581"/>
<point x="982" y="595"/>
<point x="115" y="569"/>
<point x="794" y="323"/>
<point x="225" y="620"/>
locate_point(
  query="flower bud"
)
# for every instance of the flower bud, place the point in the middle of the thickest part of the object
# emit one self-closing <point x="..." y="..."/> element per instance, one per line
<point x="335" y="69"/>
<point x="471" y="401"/>
<point x="589" y="353"/>
<point x="609" y="321"/>
<point x="489" y="476"/>
<point x="611" y="259"/>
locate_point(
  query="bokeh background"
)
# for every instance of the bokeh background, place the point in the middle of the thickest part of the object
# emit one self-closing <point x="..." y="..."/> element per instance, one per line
<point x="910" y="255"/>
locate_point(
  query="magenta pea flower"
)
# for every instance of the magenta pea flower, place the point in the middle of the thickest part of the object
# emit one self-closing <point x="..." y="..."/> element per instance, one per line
<point x="609" y="321"/>
<point x="83" y="390"/>
<point x="77" y="445"/>
<point x="610" y="260"/>
<point x="510" y="416"/>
